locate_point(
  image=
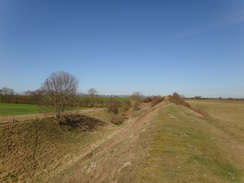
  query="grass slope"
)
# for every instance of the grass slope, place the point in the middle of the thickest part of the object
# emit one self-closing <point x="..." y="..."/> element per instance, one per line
<point x="34" y="151"/>
<point x="186" y="147"/>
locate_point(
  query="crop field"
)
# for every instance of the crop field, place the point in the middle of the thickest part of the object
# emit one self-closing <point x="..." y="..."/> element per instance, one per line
<point x="17" y="109"/>
<point x="121" y="99"/>
<point x="7" y="109"/>
<point x="164" y="143"/>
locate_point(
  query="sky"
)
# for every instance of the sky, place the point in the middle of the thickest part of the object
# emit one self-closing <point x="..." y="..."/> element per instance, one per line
<point x="157" y="47"/>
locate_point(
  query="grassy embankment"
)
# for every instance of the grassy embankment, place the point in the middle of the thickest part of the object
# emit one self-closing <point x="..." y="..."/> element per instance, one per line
<point x="183" y="146"/>
<point x="180" y="146"/>
<point x="34" y="151"/>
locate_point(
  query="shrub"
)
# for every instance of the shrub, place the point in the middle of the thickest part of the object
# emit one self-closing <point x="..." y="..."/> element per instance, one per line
<point x="98" y="102"/>
<point x="136" y="105"/>
<point x="84" y="101"/>
<point x="147" y="100"/>
<point x="126" y="105"/>
<point x="117" y="118"/>
<point x="113" y="106"/>
<point x="156" y="100"/>
<point x="136" y="95"/>
<point x="179" y="100"/>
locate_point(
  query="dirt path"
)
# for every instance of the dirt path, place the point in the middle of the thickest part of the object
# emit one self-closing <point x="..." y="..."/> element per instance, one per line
<point x="113" y="158"/>
<point x="21" y="118"/>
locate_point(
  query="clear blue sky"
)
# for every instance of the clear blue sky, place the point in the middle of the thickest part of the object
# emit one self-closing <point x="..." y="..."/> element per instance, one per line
<point x="193" y="47"/>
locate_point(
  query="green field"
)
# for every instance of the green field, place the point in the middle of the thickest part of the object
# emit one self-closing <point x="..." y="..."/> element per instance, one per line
<point x="121" y="99"/>
<point x="17" y="109"/>
<point x="23" y="109"/>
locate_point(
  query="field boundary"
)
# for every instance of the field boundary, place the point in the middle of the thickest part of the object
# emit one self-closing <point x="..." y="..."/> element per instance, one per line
<point x="22" y="118"/>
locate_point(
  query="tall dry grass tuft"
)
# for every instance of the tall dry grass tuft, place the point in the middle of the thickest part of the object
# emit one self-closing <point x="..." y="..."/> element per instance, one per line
<point x="179" y="100"/>
<point x="113" y="106"/>
<point x="156" y="100"/>
<point x="116" y="110"/>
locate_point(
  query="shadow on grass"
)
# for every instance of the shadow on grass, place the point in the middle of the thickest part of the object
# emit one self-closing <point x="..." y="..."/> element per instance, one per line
<point x="81" y="122"/>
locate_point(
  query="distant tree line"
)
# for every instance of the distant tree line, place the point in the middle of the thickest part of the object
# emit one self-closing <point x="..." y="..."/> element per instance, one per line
<point x="8" y="95"/>
<point x="216" y="98"/>
<point x="90" y="99"/>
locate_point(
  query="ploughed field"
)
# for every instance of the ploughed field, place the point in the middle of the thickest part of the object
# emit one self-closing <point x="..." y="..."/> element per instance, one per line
<point x="164" y="143"/>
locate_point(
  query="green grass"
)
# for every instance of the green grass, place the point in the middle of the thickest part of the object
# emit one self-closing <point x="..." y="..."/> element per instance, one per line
<point x="121" y="99"/>
<point x="17" y="109"/>
<point x="24" y="109"/>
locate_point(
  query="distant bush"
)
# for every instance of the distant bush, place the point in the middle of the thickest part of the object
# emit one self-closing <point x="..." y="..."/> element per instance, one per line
<point x="117" y="118"/>
<point x="147" y="100"/>
<point x="98" y="102"/>
<point x="84" y="101"/>
<point x="117" y="110"/>
<point x="126" y="105"/>
<point x="156" y="100"/>
<point x="113" y="106"/>
<point x="136" y="105"/>
<point x="179" y="100"/>
<point x="136" y="95"/>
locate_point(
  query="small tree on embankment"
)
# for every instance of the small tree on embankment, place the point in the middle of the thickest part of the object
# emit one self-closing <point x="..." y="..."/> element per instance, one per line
<point x="58" y="91"/>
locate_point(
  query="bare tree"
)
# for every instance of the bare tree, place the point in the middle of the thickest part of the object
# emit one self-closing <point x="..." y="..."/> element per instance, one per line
<point x="6" y="94"/>
<point x="136" y="97"/>
<point x="7" y="91"/>
<point x="58" y="89"/>
<point x="91" y="93"/>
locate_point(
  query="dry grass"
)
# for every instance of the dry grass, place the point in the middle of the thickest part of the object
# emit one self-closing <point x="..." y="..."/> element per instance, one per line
<point x="156" y="100"/>
<point x="227" y="110"/>
<point x="185" y="147"/>
<point x="179" y="100"/>
<point x="166" y="143"/>
<point x="34" y="150"/>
